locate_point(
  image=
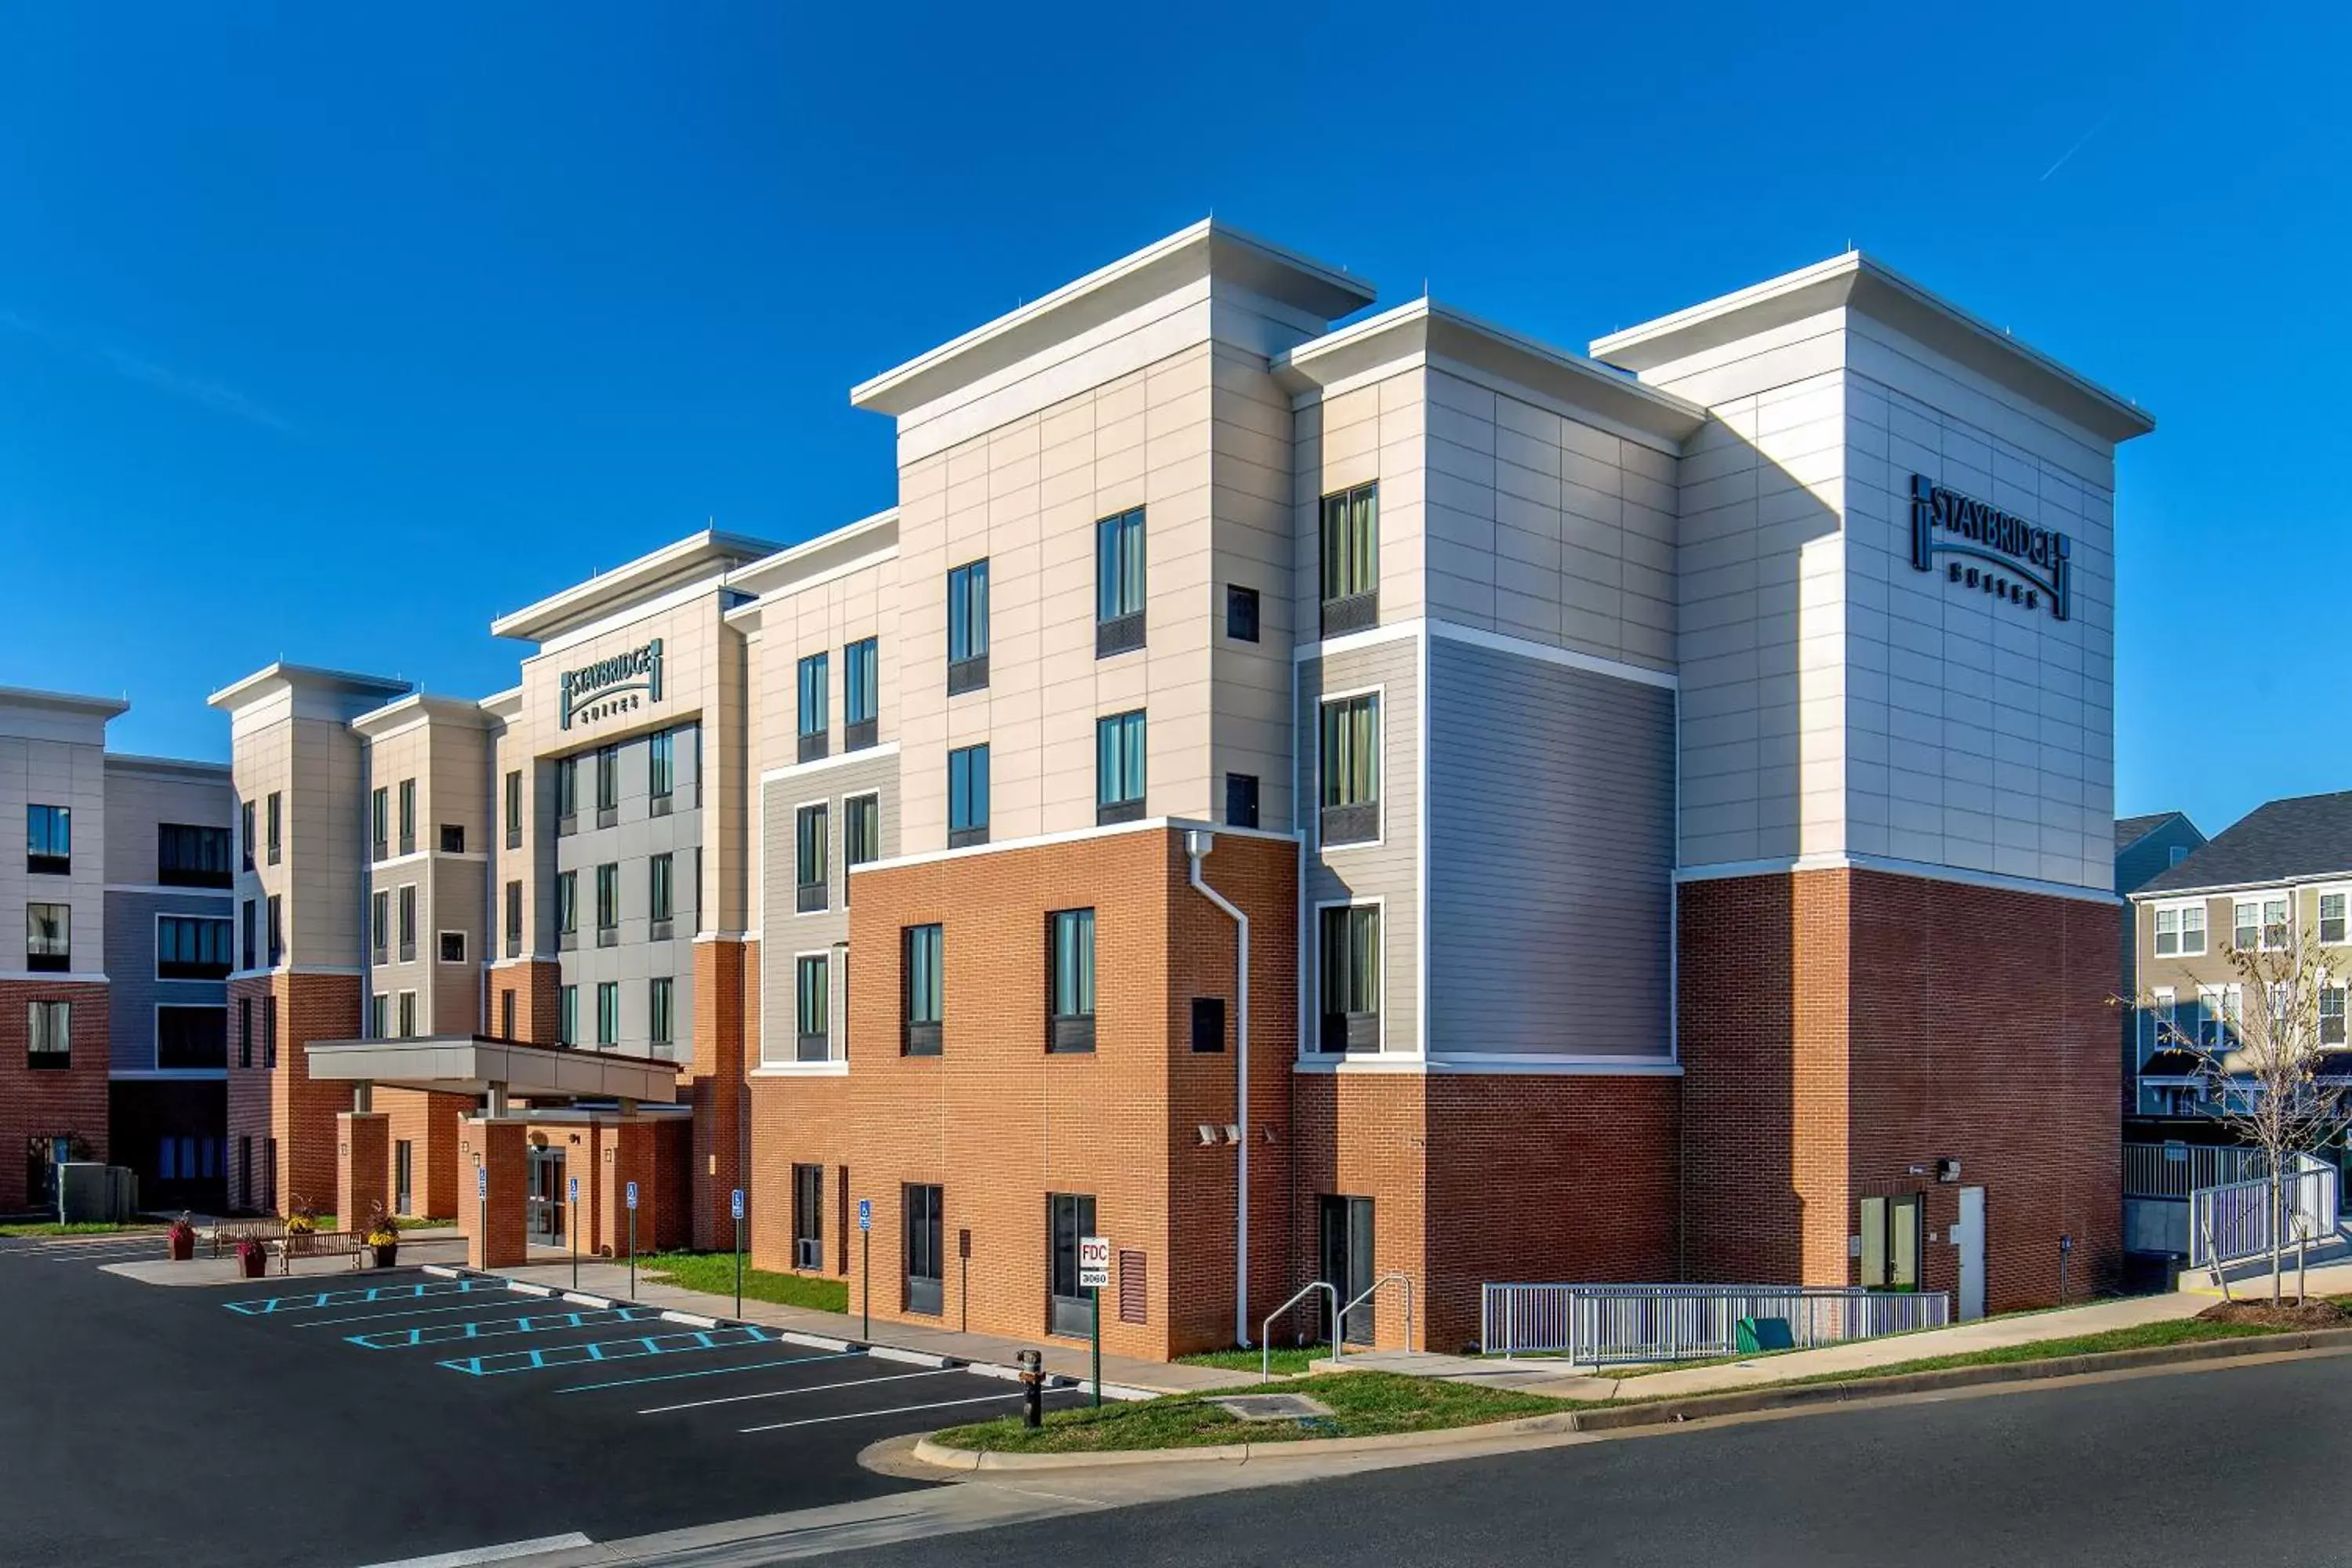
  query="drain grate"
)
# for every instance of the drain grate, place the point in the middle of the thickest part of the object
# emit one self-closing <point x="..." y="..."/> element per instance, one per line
<point x="1273" y="1406"/>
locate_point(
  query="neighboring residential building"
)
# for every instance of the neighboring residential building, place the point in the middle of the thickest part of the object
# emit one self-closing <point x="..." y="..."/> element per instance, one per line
<point x="110" y="1020"/>
<point x="2283" y="869"/>
<point x="2146" y="847"/>
<point x="1600" y="752"/>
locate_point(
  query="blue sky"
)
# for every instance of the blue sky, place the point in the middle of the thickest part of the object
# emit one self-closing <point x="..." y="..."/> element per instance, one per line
<point x="299" y="303"/>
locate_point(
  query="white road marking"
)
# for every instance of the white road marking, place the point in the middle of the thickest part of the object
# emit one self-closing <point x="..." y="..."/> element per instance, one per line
<point x="783" y="1392"/>
<point x="895" y="1410"/>
<point x="510" y="1550"/>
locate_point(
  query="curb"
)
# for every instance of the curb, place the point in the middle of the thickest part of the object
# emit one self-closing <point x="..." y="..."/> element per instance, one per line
<point x="1662" y="1411"/>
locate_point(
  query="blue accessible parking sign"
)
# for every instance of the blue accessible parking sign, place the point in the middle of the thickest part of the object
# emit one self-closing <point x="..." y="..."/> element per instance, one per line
<point x="736" y="1205"/>
<point x="865" y="1213"/>
<point x="633" y="1194"/>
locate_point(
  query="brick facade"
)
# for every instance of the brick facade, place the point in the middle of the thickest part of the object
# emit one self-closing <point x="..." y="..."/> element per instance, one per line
<point x="534" y="981"/>
<point x="1842" y="1031"/>
<point x="726" y="989"/>
<point x="427" y="1123"/>
<point x="50" y="1102"/>
<point x="282" y="1106"/>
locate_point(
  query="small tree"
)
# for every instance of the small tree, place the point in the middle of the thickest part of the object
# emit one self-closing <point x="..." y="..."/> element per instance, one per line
<point x="2260" y="1069"/>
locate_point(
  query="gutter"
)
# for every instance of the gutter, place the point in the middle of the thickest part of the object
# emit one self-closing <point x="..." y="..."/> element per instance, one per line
<point x="1198" y="842"/>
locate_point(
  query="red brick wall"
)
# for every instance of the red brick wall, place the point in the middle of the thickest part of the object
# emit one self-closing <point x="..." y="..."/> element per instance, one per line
<point x="362" y="1168"/>
<point x="428" y="1123"/>
<point x="52" y="1102"/>
<point x="716" y="1088"/>
<point x="797" y="1119"/>
<point x="286" y="1104"/>
<point x="534" y="982"/>
<point x="1364" y="1135"/>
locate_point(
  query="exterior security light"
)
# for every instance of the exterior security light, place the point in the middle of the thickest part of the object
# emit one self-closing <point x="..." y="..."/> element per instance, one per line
<point x="1208" y="1136"/>
<point x="1232" y="1133"/>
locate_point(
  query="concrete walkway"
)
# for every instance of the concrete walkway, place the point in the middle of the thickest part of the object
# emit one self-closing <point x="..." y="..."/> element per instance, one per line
<point x="1067" y="1358"/>
<point x="1556" y="1379"/>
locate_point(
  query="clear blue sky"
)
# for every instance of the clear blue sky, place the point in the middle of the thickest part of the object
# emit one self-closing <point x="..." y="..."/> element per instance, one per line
<point x="331" y="333"/>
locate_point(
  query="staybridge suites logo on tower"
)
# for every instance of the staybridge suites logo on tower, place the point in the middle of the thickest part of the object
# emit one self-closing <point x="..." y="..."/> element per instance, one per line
<point x="613" y="684"/>
<point x="2025" y="563"/>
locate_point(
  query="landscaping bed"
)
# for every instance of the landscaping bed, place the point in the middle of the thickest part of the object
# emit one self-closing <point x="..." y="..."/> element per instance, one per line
<point x="2288" y="1313"/>
<point x="713" y="1273"/>
<point x="80" y="1227"/>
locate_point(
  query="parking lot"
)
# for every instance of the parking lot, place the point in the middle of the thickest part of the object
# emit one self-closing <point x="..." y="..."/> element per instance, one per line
<point x="369" y="1417"/>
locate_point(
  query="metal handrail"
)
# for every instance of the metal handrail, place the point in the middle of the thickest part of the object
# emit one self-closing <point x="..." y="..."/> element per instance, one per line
<point x="1266" y="1344"/>
<point x="1340" y="1328"/>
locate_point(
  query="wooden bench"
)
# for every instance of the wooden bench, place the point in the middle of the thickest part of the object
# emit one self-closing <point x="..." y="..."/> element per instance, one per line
<point x="296" y="1244"/>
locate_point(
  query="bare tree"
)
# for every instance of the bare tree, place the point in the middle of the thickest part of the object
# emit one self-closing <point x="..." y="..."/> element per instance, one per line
<point x="2259" y="1070"/>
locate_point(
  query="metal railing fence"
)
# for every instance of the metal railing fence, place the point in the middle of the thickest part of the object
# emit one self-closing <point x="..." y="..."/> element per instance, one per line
<point x="1604" y="1325"/>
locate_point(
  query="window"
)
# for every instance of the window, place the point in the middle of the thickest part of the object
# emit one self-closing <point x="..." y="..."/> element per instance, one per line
<point x="408" y="1015"/>
<point x="2220" y="1011"/>
<point x="1070" y="980"/>
<point x="861" y="694"/>
<point x="380" y="927"/>
<point x="245" y="1195"/>
<point x="514" y="919"/>
<point x="1118" y="583"/>
<point x="1350" y="992"/>
<point x="567" y="796"/>
<point x="1069" y="1307"/>
<point x="661" y="1014"/>
<point x="404" y="1177"/>
<point x="812" y="998"/>
<point x="661" y="891"/>
<point x="1351" y="770"/>
<point x="48" y="1035"/>
<point x="2331" y="918"/>
<point x="245" y="1031"/>
<point x="924" y="1252"/>
<point x="2179" y="853"/>
<point x="277" y="803"/>
<point x="1346" y="1255"/>
<point x="813" y="724"/>
<point x="191" y="855"/>
<point x="1118" y="768"/>
<point x="809" y="838"/>
<point x="2260" y="922"/>
<point x="191" y="1036"/>
<point x="453" y="838"/>
<point x="408" y="922"/>
<point x="270" y="1033"/>
<point x="507" y="1013"/>
<point x="808" y="1217"/>
<point x="608" y="785"/>
<point x="1241" y="613"/>
<point x="967" y="627"/>
<point x="1352" y="560"/>
<point x="408" y="817"/>
<point x="661" y="770"/>
<point x="48" y="840"/>
<point x="244" y="947"/>
<point x="567" y="1015"/>
<point x="277" y="911"/>
<point x="608" y="904"/>
<point x="2181" y="931"/>
<point x="452" y="944"/>
<point x="514" y="808"/>
<point x="190" y="948"/>
<point x="380" y="822"/>
<point x="2331" y="1016"/>
<point x="1891" y="1236"/>
<point x="861" y="834"/>
<point x="48" y="937"/>
<point x="567" y="908"/>
<point x="1208" y="1024"/>
<point x="925" y="955"/>
<point x="378" y="1016"/>
<point x="967" y="797"/>
<point x="1241" y="800"/>
<point x="608" y="1012"/>
<point x="245" y="833"/>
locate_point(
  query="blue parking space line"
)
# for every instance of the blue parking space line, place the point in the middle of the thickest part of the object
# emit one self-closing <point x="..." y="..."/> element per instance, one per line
<point x="506" y="1362"/>
<point x="710" y="1372"/>
<point x="271" y="1306"/>
<point x="493" y="1328"/>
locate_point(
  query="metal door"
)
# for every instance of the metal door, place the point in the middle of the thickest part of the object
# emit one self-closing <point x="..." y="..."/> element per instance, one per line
<point x="1969" y="1240"/>
<point x="1347" y="1238"/>
<point x="543" y="1203"/>
<point x="1069" y="1308"/>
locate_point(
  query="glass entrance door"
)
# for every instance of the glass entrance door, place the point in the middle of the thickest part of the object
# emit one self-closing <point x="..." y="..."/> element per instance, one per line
<point x="544" y="1204"/>
<point x="1347" y="1238"/>
<point x="1069" y="1309"/>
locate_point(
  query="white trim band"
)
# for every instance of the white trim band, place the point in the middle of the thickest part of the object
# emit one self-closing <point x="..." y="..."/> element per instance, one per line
<point x="1894" y="868"/>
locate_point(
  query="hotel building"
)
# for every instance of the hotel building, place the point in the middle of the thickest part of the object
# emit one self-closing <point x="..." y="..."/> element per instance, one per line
<point x="1298" y="791"/>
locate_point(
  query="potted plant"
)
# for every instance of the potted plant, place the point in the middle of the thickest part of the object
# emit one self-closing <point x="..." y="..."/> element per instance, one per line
<point x="252" y="1257"/>
<point x="180" y="1239"/>
<point x="303" y="1220"/>
<point x="384" y="1238"/>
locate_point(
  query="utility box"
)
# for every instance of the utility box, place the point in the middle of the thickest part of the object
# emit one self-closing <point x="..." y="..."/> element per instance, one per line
<point x="91" y="1193"/>
<point x="1764" y="1334"/>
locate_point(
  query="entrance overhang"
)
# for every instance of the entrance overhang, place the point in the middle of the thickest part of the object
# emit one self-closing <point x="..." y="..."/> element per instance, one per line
<point x="476" y="1065"/>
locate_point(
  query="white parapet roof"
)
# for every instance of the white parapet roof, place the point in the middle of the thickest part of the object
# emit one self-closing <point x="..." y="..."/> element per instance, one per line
<point x="470" y="1064"/>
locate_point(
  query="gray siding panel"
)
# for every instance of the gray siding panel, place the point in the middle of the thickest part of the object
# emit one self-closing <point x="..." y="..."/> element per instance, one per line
<point x="635" y="836"/>
<point x="784" y="931"/>
<point x="1551" y="856"/>
<point x="133" y="991"/>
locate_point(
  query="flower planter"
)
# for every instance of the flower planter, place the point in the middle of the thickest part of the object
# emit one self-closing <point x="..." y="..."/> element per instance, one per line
<point x="386" y="1257"/>
<point x="253" y="1263"/>
<point x="182" y="1245"/>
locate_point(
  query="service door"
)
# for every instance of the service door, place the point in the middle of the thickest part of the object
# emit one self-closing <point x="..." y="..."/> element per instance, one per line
<point x="1969" y="1240"/>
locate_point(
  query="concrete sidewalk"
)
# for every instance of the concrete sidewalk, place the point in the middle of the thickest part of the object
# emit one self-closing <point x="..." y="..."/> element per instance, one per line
<point x="1556" y="1379"/>
<point x="1067" y="1358"/>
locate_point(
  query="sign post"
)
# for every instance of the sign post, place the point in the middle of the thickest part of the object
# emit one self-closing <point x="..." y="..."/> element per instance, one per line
<point x="633" y="1241"/>
<point x="1093" y="1273"/>
<point x="571" y="1223"/>
<point x="866" y="1235"/>
<point x="482" y="1209"/>
<point x="736" y="1203"/>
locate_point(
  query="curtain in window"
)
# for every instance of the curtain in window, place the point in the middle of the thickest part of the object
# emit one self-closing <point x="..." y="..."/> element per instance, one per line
<point x="1351" y="963"/>
<point x="1351" y="750"/>
<point x="926" y="983"/>
<point x="1119" y="567"/>
<point x="861" y="680"/>
<point x="1350" y="543"/>
<point x="968" y="612"/>
<point x="48" y="931"/>
<point x="968" y="787"/>
<point x="1119" y="758"/>
<point x="810" y="834"/>
<point x="812" y="694"/>
<point x="814" y="994"/>
<point x="1074" y="964"/>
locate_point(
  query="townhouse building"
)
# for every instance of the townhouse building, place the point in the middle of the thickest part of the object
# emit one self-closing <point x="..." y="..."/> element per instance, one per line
<point x="1302" y="792"/>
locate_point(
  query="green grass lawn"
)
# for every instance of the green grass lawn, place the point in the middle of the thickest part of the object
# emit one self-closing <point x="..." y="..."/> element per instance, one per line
<point x="1290" y="1360"/>
<point x="83" y="1227"/>
<point x="714" y="1272"/>
<point x="1364" y="1405"/>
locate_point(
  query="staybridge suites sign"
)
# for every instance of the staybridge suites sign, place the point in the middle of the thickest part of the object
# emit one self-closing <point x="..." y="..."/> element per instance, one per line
<point x="613" y="684"/>
<point x="2025" y="563"/>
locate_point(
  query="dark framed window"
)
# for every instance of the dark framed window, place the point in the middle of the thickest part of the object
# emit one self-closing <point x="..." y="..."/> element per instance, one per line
<point x="861" y="694"/>
<point x="608" y="785"/>
<point x="661" y="895"/>
<point x="1070" y="980"/>
<point x="1346" y="1255"/>
<point x="514" y="808"/>
<point x="408" y="817"/>
<point x="925" y="1255"/>
<point x="567" y="908"/>
<point x="967" y="797"/>
<point x="48" y="840"/>
<point x="861" y="834"/>
<point x="245" y="1031"/>
<point x="276" y="910"/>
<point x="811" y="833"/>
<point x="661" y="1014"/>
<point x="967" y="627"/>
<point x="1241" y="613"/>
<point x="48" y="937"/>
<point x="1207" y="1024"/>
<point x="567" y="797"/>
<point x="246" y="946"/>
<point x="1241" y="800"/>
<point x="808" y="1217"/>
<point x="814" y="673"/>
<point x="567" y="1015"/>
<point x="190" y="947"/>
<point x="380" y="927"/>
<point x="1352" y="560"/>
<point x="270" y="1033"/>
<point x="380" y="822"/>
<point x="404" y="1176"/>
<point x="1891" y="1238"/>
<point x="608" y="904"/>
<point x="1118" y="583"/>
<point x="379" y="1018"/>
<point x="191" y="1036"/>
<point x="408" y="922"/>
<point x="507" y="1013"/>
<point x="453" y="838"/>
<point x="276" y="814"/>
<point x="923" y="957"/>
<point x="1118" y="768"/>
<point x="407" y="1004"/>
<point x="812" y="1006"/>
<point x="48" y="1035"/>
<point x="1351" y="770"/>
<point x="1348" y="958"/>
<point x="244" y="834"/>
<point x="189" y="855"/>
<point x="450" y="945"/>
<point x="661" y="770"/>
<point x="514" y="919"/>
<point x="1070" y="1306"/>
<point x="608" y="1012"/>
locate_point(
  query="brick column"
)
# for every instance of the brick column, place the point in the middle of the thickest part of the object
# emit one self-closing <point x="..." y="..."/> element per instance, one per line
<point x="498" y="1145"/>
<point x="363" y="1148"/>
<point x="717" y="1089"/>
<point x="627" y="1155"/>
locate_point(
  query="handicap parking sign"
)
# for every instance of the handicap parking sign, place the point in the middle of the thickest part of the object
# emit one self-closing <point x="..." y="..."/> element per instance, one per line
<point x="481" y="1181"/>
<point x="574" y="1185"/>
<point x="633" y="1194"/>
<point x="737" y="1204"/>
<point x="865" y="1213"/>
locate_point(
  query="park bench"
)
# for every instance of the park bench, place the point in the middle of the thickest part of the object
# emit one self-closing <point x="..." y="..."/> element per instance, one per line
<point x="296" y="1244"/>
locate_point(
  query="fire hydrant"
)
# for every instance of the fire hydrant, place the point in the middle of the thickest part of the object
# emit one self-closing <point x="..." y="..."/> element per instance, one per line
<point x="1032" y="1388"/>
